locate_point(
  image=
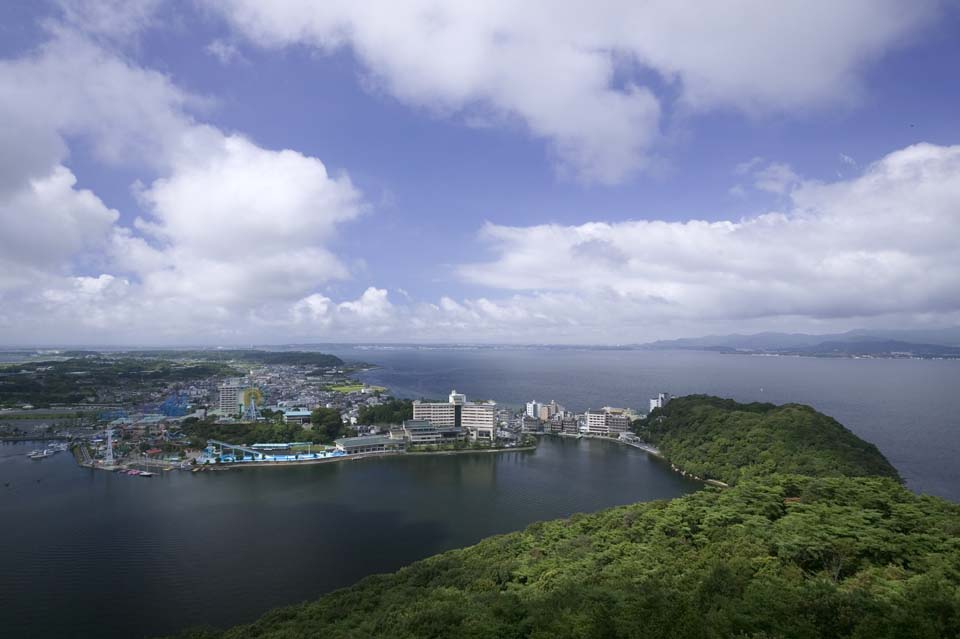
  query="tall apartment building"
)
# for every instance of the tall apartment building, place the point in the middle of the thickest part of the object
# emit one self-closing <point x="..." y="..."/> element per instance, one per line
<point x="661" y="400"/>
<point x="478" y="418"/>
<point x="231" y="396"/>
<point x="437" y="413"/>
<point x="533" y="409"/>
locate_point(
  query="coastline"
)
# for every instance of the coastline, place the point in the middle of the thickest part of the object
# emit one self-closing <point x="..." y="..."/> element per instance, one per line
<point x="327" y="460"/>
<point x="650" y="450"/>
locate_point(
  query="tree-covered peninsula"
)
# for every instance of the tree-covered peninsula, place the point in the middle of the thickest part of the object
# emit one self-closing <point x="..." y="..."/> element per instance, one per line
<point x="721" y="439"/>
<point x="815" y="539"/>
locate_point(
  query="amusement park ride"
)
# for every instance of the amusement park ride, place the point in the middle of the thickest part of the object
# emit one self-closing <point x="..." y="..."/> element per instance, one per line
<point x="252" y="398"/>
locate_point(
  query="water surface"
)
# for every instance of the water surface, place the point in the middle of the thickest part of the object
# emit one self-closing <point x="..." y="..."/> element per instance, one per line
<point x="93" y="554"/>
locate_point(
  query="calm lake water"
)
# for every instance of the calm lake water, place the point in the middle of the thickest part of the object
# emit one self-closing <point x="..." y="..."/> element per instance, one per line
<point x="92" y="554"/>
<point x="909" y="408"/>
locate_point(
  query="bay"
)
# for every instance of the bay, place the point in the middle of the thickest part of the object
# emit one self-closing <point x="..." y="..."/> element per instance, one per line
<point x="94" y="554"/>
<point x="909" y="408"/>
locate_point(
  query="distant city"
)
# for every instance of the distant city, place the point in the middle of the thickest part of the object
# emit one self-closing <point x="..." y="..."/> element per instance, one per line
<point x="143" y="412"/>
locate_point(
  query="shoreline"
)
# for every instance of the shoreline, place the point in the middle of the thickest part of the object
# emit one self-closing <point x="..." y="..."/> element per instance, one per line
<point x="339" y="458"/>
<point x="650" y="450"/>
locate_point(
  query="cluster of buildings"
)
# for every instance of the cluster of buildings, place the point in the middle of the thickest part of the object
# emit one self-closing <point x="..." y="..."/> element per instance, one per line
<point x="477" y="419"/>
<point x="293" y="391"/>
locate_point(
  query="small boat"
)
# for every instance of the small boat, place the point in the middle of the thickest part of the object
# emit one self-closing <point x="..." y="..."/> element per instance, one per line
<point x="41" y="454"/>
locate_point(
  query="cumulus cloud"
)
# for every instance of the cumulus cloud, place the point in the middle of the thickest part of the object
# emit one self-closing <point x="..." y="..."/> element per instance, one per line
<point x="47" y="225"/>
<point x="577" y="74"/>
<point x="229" y="229"/>
<point x="882" y="243"/>
<point x="238" y="224"/>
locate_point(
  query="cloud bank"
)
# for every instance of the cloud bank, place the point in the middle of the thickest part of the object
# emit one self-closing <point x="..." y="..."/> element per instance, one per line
<point x="236" y="243"/>
<point x="595" y="80"/>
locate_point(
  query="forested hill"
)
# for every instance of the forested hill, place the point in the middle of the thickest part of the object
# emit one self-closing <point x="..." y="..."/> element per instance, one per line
<point x="715" y="438"/>
<point x="827" y="553"/>
<point x="791" y="556"/>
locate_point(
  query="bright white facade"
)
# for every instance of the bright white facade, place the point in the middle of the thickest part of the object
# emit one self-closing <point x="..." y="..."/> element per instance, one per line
<point x="437" y="413"/>
<point x="480" y="419"/>
<point x="661" y="400"/>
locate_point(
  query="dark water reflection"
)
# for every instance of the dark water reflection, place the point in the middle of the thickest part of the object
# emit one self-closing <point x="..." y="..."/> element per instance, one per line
<point x="93" y="554"/>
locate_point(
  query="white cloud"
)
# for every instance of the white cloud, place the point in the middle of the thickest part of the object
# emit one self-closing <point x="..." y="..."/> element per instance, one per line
<point x="231" y="229"/>
<point x="882" y="243"/>
<point x="239" y="224"/>
<point x="47" y="225"/>
<point x="568" y="70"/>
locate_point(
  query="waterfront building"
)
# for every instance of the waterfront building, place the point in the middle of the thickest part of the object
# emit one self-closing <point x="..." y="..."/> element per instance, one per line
<point x="231" y="397"/>
<point x="369" y="444"/>
<point x="478" y="418"/>
<point x="530" y="425"/>
<point x="618" y="421"/>
<point x="609" y="422"/>
<point x="661" y="400"/>
<point x="422" y="432"/>
<point x="570" y="426"/>
<point x="596" y="421"/>
<point x="556" y="425"/>
<point x="437" y="413"/>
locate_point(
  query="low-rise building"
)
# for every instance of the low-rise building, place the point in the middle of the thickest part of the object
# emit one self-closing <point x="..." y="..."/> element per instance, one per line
<point x="369" y="444"/>
<point x="420" y="432"/>
<point x="299" y="416"/>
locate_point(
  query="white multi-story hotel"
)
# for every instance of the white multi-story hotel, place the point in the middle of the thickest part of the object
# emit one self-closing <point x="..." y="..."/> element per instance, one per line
<point x="606" y="422"/>
<point x="437" y="413"/>
<point x="478" y="418"/>
<point x="596" y="422"/>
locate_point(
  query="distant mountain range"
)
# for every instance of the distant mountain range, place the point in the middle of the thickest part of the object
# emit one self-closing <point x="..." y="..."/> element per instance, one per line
<point x="926" y="343"/>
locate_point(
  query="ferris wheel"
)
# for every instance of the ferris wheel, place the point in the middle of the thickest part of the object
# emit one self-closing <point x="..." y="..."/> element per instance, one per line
<point x="252" y="398"/>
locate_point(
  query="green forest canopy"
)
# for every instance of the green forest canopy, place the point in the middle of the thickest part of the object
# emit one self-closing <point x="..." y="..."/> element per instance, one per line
<point x="715" y="438"/>
<point x="831" y="552"/>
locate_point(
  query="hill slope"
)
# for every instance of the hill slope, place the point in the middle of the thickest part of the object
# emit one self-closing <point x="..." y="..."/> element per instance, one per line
<point x="715" y="438"/>
<point x="820" y="555"/>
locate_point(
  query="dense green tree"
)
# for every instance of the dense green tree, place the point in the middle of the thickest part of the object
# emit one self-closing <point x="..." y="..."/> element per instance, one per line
<point x="393" y="412"/>
<point x="327" y="423"/>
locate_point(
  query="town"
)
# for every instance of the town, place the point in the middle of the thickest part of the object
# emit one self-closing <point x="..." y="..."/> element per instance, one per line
<point x="200" y="412"/>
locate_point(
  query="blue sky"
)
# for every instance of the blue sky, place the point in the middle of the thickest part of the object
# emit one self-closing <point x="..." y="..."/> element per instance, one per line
<point x="493" y="175"/>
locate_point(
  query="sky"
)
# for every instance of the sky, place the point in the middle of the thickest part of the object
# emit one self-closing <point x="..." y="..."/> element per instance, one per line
<point x="231" y="172"/>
